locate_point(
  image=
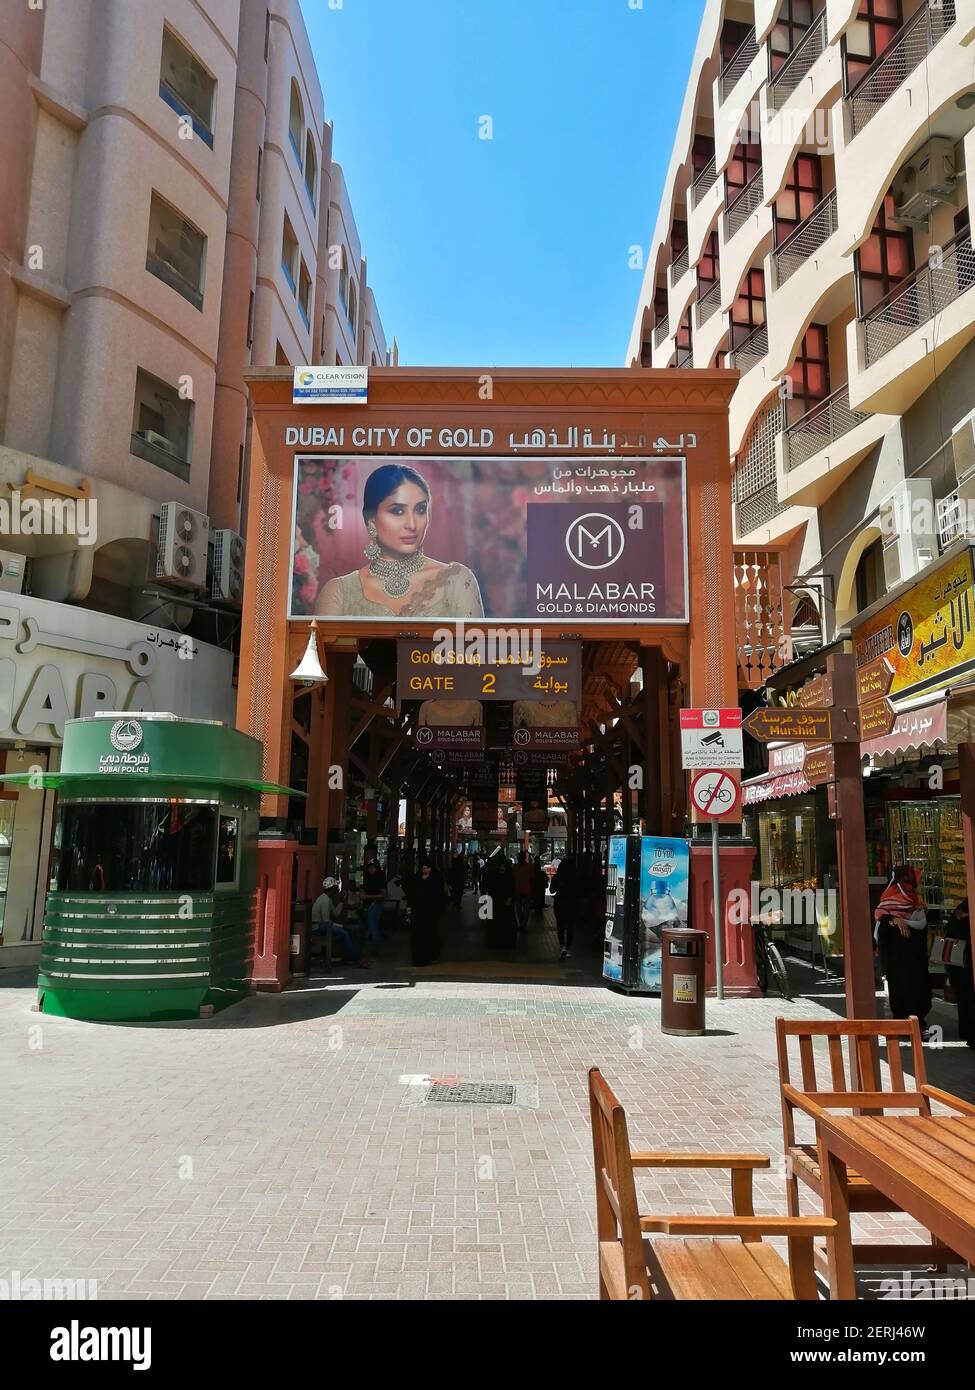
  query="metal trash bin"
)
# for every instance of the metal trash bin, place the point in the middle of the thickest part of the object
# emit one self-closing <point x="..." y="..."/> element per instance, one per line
<point x="300" y="953"/>
<point x="684" y="958"/>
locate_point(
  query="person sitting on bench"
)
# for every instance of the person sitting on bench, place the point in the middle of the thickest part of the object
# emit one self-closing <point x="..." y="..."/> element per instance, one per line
<point x="325" y="913"/>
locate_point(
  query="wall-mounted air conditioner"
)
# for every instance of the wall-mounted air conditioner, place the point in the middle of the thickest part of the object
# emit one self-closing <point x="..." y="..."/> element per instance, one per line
<point x="157" y="440"/>
<point x="928" y="179"/>
<point x="183" y="541"/>
<point x="12" y="570"/>
<point x="227" y="583"/>
<point x="908" y="530"/>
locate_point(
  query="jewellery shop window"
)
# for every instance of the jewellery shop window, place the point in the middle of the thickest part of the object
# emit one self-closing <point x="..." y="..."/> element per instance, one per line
<point x="928" y="834"/>
<point x="788" y="848"/>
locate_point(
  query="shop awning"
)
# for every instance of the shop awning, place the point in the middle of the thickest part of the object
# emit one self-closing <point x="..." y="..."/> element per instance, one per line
<point x="774" y="784"/>
<point x="916" y="730"/>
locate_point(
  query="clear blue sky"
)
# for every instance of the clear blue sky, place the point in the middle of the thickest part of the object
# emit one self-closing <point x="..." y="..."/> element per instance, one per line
<point x="511" y="251"/>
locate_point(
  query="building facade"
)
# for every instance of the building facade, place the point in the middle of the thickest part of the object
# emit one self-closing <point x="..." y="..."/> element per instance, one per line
<point x="814" y="235"/>
<point x="170" y="216"/>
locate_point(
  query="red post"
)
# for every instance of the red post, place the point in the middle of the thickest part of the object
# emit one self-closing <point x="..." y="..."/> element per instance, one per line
<point x="275" y="867"/>
<point x="737" y="861"/>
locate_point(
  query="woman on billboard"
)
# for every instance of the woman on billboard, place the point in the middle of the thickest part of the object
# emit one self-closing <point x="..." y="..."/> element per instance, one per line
<point x="398" y="579"/>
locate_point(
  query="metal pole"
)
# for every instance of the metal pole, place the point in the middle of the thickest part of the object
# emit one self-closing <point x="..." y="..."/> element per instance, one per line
<point x="718" y="915"/>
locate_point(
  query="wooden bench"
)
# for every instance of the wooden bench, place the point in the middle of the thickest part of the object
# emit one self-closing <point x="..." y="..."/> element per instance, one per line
<point x="854" y="1084"/>
<point x="745" y="1268"/>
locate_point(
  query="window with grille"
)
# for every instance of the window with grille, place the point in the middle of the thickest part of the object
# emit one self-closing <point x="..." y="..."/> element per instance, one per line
<point x="661" y="307"/>
<point x="809" y="374"/>
<point x="701" y="154"/>
<point x="733" y="35"/>
<point x="748" y="310"/>
<point x="884" y="260"/>
<point x="745" y="163"/>
<point x="795" y="17"/>
<point x="876" y="24"/>
<point x="707" y="266"/>
<point x="801" y="196"/>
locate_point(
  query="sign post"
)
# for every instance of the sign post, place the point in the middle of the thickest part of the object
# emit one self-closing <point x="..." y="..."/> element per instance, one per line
<point x="715" y="794"/>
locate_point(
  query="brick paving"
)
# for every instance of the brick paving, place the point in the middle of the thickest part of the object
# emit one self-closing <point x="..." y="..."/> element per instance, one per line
<point x="279" y="1150"/>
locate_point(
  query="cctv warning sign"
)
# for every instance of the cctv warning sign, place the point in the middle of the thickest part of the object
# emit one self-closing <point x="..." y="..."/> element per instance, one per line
<point x="711" y="738"/>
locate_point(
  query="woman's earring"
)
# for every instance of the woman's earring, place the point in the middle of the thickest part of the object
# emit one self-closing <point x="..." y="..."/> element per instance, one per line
<point x="373" y="550"/>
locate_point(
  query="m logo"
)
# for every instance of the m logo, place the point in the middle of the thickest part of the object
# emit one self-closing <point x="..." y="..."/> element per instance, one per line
<point x="424" y="735"/>
<point x="126" y="735"/>
<point x="595" y="541"/>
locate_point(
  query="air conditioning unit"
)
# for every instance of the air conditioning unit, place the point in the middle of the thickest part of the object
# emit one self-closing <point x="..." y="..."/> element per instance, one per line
<point x="158" y="441"/>
<point x="183" y="542"/>
<point x="12" y="568"/>
<point x="907" y="526"/>
<point x="227" y="584"/>
<point x="928" y="179"/>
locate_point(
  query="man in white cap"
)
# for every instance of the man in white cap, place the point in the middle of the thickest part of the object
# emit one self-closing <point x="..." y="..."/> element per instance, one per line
<point x="325" y="918"/>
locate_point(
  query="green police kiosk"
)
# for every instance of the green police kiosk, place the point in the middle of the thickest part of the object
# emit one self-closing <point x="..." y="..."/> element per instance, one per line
<point x="152" y="901"/>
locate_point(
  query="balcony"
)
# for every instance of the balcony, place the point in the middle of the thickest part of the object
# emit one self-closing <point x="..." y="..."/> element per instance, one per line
<point x="799" y="63"/>
<point x="807" y="238"/>
<point x="679" y="266"/>
<point x="748" y="201"/>
<point x="917" y="300"/>
<point x="750" y="351"/>
<point x="704" y="181"/>
<point x="661" y="332"/>
<point x="902" y="56"/>
<point x="684" y="357"/>
<point x="708" y="304"/>
<point x="754" y="492"/>
<point x="821" y="426"/>
<point x="736" y="67"/>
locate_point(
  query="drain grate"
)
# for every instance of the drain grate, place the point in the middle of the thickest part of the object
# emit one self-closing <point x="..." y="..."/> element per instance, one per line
<point x="473" y="1093"/>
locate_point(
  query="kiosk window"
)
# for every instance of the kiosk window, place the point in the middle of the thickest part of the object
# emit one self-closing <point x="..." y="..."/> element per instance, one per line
<point x="135" y="847"/>
<point x="227" y="850"/>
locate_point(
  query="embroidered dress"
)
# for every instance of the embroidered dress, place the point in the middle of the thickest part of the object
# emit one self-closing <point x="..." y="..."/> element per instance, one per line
<point x="450" y="592"/>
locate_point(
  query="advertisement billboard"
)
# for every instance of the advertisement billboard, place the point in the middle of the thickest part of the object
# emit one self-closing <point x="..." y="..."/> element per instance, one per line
<point x="504" y="539"/>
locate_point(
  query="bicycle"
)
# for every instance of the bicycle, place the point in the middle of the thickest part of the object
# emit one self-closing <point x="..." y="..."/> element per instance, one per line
<point x="769" y="965"/>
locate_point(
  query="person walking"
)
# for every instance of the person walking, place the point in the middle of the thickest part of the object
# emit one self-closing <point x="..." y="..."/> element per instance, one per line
<point x="373" y="897"/>
<point x="565" y="886"/>
<point x="499" y="888"/>
<point x="458" y="878"/>
<point x="523" y="890"/>
<point x="902" y="941"/>
<point x="539" y="883"/>
<point x="425" y="894"/>
<point x="959" y="928"/>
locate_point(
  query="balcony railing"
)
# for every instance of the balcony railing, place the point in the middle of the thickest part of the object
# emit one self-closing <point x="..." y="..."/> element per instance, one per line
<point x="905" y="52"/>
<point x="684" y="357"/>
<point x="754" y="490"/>
<point x="806" y="239"/>
<point x="826" y="422"/>
<point x="750" y="198"/>
<point x="662" y="331"/>
<point x="735" y="68"/>
<point x="680" y="265"/>
<point x="705" y="181"/>
<point x="743" y="357"/>
<point x="708" y="304"/>
<point x="799" y="63"/>
<point x="915" y="301"/>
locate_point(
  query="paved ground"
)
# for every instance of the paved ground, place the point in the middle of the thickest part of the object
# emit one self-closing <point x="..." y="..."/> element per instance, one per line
<point x="281" y="1151"/>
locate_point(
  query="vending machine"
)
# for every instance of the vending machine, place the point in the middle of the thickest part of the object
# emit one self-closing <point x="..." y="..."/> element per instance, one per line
<point x="646" y="890"/>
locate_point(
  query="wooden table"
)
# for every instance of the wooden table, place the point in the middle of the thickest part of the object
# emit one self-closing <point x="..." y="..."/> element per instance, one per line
<point x="925" y="1165"/>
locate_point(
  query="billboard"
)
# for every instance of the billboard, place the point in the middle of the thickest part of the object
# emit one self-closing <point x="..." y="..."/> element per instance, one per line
<point x="503" y="539"/>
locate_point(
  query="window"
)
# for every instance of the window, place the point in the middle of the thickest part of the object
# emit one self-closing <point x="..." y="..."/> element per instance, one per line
<point x="344" y="282"/>
<point x="240" y="472"/>
<point x="250" y="321"/>
<point x="176" y="252"/>
<point x="809" y="374"/>
<point x="870" y="582"/>
<point x="135" y="847"/>
<point x="707" y="266"/>
<point x="267" y="34"/>
<point x="296" y="122"/>
<point x="228" y="840"/>
<point x="353" y="309"/>
<point x="745" y="163"/>
<point x="795" y="17"/>
<point x="678" y="239"/>
<point x="802" y="194"/>
<point x="876" y="24"/>
<point x="733" y="35"/>
<point x="321" y="350"/>
<point x="884" y="260"/>
<point x="186" y="86"/>
<point x="304" y="295"/>
<point x="661" y="306"/>
<point x="289" y="254"/>
<point x="701" y="154"/>
<point x="748" y="310"/>
<point x="281" y="357"/>
<point x="260" y="168"/>
<point x="311" y="171"/>
<point x="684" y="341"/>
<point x="161" y="425"/>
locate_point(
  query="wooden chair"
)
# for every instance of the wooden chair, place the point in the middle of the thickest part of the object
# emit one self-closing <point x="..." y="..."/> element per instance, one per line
<point x="632" y="1267"/>
<point x="857" y="1088"/>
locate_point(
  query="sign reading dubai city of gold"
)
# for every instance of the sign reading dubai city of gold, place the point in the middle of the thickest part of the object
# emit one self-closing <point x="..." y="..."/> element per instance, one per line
<point x="924" y="639"/>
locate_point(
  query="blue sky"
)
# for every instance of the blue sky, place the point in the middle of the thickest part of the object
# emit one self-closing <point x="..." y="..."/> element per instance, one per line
<point x="510" y="251"/>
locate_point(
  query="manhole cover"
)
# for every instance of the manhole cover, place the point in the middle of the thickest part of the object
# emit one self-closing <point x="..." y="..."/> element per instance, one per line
<point x="473" y="1093"/>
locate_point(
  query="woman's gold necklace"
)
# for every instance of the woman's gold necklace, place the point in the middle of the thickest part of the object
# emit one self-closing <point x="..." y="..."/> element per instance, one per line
<point x="396" y="575"/>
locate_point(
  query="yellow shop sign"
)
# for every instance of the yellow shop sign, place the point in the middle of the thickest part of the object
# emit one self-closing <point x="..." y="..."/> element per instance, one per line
<point x="927" y="636"/>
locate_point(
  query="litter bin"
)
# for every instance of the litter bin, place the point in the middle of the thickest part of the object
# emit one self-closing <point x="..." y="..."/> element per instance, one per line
<point x="683" y="952"/>
<point x="300" y="939"/>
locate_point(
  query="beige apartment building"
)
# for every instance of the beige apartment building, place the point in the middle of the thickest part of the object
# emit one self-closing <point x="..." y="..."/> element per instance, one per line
<point x="170" y="215"/>
<point x="814" y="235"/>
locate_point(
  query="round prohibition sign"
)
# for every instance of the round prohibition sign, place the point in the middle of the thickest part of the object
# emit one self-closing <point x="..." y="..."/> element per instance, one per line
<point x="715" y="793"/>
